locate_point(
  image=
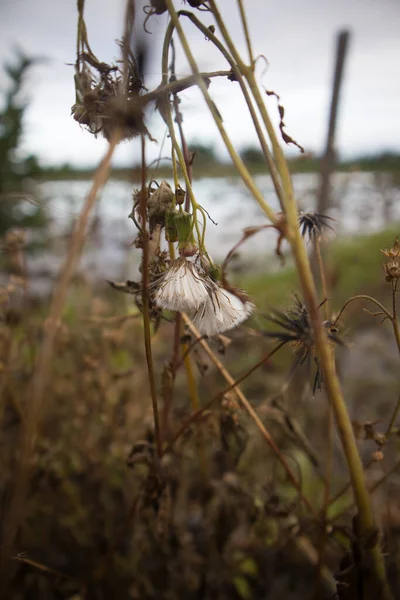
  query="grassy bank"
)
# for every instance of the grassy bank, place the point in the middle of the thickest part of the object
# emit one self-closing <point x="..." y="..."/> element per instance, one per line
<point x="354" y="266"/>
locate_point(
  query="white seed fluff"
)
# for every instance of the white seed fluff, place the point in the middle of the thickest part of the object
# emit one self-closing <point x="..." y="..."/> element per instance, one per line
<point x="221" y="311"/>
<point x="181" y="288"/>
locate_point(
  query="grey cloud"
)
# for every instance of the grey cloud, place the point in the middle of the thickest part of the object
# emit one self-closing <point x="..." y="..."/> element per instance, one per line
<point x="296" y="37"/>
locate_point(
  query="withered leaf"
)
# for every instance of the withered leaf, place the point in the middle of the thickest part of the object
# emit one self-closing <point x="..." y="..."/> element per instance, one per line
<point x="286" y="137"/>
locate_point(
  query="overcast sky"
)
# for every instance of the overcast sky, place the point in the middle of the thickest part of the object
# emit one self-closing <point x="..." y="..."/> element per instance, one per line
<point x="297" y="37"/>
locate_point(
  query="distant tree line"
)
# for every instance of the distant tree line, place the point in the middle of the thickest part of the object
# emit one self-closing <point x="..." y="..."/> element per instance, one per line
<point x="252" y="156"/>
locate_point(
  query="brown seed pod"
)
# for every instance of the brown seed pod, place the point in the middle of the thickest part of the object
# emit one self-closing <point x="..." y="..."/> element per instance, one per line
<point x="195" y="3"/>
<point x="159" y="6"/>
<point x="392" y="271"/>
<point x="180" y="195"/>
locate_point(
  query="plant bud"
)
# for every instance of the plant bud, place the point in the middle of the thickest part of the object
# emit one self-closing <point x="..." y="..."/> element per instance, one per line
<point x="171" y="233"/>
<point x="184" y="227"/>
<point x="183" y="223"/>
<point x="180" y="195"/>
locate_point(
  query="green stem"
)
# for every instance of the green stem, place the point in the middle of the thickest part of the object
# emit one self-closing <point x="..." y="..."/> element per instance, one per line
<point x="393" y="319"/>
<point x="335" y="396"/>
<point x="175" y="144"/>
<point x="321" y="340"/>
<point x="241" y="168"/>
<point x="251" y="80"/>
<point x="246" y="31"/>
<point x="238" y="75"/>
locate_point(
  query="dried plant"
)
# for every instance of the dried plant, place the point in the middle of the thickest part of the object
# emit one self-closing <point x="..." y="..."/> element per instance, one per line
<point x="297" y="331"/>
<point x="204" y="517"/>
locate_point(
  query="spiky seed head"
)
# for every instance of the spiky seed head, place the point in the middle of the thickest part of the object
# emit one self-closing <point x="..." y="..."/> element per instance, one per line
<point x="297" y="331"/>
<point x="313" y="224"/>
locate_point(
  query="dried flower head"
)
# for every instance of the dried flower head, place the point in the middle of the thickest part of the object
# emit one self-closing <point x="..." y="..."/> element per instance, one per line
<point x="392" y="268"/>
<point x="158" y="203"/>
<point x="313" y="224"/>
<point x="393" y="252"/>
<point x="222" y="311"/>
<point x="156" y="7"/>
<point x="181" y="288"/>
<point x="297" y="331"/>
<point x="102" y="104"/>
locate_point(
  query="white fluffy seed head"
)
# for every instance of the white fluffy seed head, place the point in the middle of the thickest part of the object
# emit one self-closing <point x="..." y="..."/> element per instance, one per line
<point x="221" y="311"/>
<point x="181" y="288"/>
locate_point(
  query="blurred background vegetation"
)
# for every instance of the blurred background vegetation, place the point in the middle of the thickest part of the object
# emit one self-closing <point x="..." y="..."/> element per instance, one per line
<point x="16" y="171"/>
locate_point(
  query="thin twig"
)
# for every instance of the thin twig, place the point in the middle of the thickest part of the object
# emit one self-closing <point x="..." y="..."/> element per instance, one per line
<point x="325" y="507"/>
<point x="328" y="472"/>
<point x="393" y="319"/>
<point x="246" y="404"/>
<point x="321" y="269"/>
<point x="247" y="233"/>
<point x="180" y="85"/>
<point x="232" y="386"/>
<point x="117" y="320"/>
<point x="393" y="418"/>
<point x="189" y="348"/>
<point x="363" y="297"/>
<point x="145" y="301"/>
<point x="22" y="558"/>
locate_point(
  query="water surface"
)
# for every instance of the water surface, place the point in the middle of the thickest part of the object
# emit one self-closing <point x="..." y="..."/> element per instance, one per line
<point x="361" y="204"/>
